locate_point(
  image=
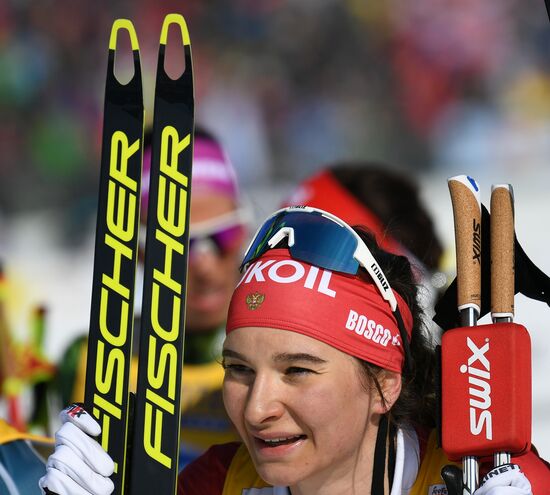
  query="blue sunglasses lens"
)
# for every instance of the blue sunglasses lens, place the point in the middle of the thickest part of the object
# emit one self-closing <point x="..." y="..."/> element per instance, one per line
<point x="317" y="240"/>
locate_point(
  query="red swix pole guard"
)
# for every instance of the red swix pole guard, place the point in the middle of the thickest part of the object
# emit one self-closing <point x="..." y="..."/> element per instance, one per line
<point x="486" y="390"/>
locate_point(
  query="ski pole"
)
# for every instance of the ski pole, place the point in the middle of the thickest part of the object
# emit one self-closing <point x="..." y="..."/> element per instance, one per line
<point x="485" y="369"/>
<point x="502" y="266"/>
<point x="465" y="198"/>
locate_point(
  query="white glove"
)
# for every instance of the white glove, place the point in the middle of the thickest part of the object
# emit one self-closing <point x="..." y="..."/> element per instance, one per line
<point x="79" y="465"/>
<point x="505" y="480"/>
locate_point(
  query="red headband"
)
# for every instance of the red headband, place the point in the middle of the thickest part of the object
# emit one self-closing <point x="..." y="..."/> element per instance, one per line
<point x="341" y="310"/>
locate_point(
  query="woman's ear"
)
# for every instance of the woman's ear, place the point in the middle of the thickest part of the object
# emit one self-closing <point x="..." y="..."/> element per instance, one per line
<point x="390" y="383"/>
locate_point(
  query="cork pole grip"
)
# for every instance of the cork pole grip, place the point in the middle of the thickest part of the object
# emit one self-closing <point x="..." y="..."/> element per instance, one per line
<point x="467" y="221"/>
<point x="502" y="252"/>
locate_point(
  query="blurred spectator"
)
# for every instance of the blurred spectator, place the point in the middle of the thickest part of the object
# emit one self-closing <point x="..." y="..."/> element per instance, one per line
<point x="20" y="464"/>
<point x="385" y="201"/>
<point x="316" y="80"/>
<point x="388" y="203"/>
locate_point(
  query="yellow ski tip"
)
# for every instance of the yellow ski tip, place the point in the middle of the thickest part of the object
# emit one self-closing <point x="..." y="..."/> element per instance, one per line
<point x="128" y="26"/>
<point x="174" y="19"/>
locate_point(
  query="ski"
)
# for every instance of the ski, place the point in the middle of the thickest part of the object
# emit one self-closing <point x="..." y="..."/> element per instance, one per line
<point x="141" y="432"/>
<point x="157" y="412"/>
<point x="116" y="249"/>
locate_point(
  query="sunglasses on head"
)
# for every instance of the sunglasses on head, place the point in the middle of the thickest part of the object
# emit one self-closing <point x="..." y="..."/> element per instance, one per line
<point x="324" y="240"/>
<point x="321" y="239"/>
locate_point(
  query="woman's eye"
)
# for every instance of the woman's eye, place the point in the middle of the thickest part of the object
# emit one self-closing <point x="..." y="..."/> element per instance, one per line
<point x="236" y="368"/>
<point x="296" y="370"/>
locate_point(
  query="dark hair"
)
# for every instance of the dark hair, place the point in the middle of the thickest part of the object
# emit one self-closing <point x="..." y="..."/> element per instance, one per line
<point x="416" y="404"/>
<point x="394" y="199"/>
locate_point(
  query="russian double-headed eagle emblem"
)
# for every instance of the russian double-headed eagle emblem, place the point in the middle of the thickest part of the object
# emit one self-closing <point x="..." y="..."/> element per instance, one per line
<point x="254" y="301"/>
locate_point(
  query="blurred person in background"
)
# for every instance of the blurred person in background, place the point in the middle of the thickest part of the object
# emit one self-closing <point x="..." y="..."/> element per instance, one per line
<point x="24" y="372"/>
<point x="218" y="229"/>
<point x="386" y="202"/>
<point x="21" y="465"/>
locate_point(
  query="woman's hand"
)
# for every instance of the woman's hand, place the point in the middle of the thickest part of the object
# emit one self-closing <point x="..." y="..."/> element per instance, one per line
<point x="505" y="480"/>
<point x="79" y="465"/>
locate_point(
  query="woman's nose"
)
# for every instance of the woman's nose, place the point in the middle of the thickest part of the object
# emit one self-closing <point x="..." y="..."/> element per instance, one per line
<point x="265" y="401"/>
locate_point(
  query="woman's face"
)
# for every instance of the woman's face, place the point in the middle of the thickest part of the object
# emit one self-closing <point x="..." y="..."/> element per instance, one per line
<point x="300" y="406"/>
